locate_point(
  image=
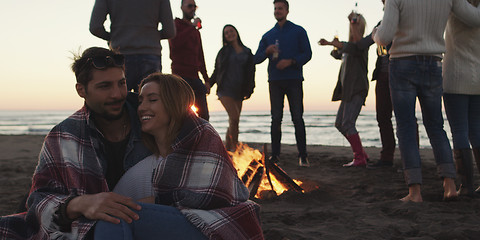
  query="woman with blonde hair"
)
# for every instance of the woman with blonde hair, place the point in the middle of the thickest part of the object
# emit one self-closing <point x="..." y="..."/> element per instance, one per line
<point x="352" y="84"/>
<point x="189" y="188"/>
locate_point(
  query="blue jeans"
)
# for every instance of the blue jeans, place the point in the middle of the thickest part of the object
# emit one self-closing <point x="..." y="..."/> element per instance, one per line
<point x="139" y="66"/>
<point x="420" y="78"/>
<point x="463" y="113"/>
<point x="294" y="91"/>
<point x="200" y="97"/>
<point x="347" y="115"/>
<point x="156" y="222"/>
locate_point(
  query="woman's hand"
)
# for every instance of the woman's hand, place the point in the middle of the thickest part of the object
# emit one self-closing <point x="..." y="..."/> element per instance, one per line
<point x="324" y="42"/>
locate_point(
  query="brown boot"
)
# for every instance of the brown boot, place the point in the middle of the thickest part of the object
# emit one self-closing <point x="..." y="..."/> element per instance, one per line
<point x="476" y="154"/>
<point x="464" y="164"/>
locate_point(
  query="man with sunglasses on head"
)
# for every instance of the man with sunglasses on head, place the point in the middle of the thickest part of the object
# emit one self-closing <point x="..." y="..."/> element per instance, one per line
<point x="83" y="157"/>
<point x="187" y="56"/>
<point x="134" y="33"/>
<point x="287" y="47"/>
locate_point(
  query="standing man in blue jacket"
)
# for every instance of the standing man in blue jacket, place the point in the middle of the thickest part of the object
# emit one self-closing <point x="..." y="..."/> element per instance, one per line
<point x="287" y="47"/>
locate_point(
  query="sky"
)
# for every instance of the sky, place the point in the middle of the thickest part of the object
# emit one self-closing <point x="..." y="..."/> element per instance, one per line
<point x="39" y="37"/>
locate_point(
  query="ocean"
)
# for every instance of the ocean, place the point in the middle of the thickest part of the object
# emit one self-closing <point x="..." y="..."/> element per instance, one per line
<point x="254" y="126"/>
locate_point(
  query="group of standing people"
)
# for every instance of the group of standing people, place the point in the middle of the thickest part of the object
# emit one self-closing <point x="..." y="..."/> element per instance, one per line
<point x="410" y="61"/>
<point x="286" y="45"/>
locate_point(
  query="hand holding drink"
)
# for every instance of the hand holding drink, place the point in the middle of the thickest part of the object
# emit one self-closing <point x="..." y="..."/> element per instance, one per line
<point x="197" y="22"/>
<point x="335" y="38"/>
<point x="276" y="51"/>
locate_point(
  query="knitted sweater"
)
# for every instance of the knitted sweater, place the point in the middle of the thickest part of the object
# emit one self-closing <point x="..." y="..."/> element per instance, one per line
<point x="416" y="27"/>
<point x="134" y="24"/>
<point x="461" y="73"/>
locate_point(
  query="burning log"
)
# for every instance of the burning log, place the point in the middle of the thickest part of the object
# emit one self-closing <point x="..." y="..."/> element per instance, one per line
<point x="251" y="170"/>
<point x="255" y="183"/>
<point x="280" y="175"/>
<point x="260" y="175"/>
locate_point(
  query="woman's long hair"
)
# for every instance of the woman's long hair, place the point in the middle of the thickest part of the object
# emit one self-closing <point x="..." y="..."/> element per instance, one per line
<point x="357" y="29"/>
<point x="225" y="43"/>
<point x="177" y="97"/>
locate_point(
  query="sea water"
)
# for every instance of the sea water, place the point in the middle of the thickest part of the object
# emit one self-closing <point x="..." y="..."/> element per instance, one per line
<point x="254" y="126"/>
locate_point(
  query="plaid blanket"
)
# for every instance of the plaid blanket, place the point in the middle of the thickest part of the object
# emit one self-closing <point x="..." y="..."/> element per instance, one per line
<point x="199" y="178"/>
<point x="71" y="162"/>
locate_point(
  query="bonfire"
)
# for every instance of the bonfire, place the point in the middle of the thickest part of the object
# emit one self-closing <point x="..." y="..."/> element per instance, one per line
<point x="264" y="179"/>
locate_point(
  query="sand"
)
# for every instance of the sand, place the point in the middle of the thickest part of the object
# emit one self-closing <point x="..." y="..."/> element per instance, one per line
<point x="341" y="203"/>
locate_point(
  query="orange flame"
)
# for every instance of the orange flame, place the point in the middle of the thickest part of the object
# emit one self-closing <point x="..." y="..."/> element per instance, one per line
<point x="242" y="158"/>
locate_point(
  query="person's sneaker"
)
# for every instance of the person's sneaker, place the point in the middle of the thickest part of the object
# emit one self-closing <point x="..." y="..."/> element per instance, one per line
<point x="380" y="164"/>
<point x="303" y="162"/>
<point x="274" y="159"/>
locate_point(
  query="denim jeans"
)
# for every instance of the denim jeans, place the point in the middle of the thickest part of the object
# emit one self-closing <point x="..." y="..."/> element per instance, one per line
<point x="463" y="113"/>
<point x="420" y="78"/>
<point x="156" y="222"/>
<point x="200" y="97"/>
<point x="347" y="115"/>
<point x="294" y="91"/>
<point x="138" y="66"/>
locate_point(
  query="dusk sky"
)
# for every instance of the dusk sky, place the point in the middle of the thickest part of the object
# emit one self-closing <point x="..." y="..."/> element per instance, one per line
<point x="38" y="38"/>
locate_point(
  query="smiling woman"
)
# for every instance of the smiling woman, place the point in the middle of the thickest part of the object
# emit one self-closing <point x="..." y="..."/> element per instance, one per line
<point x="190" y="176"/>
<point x="165" y="101"/>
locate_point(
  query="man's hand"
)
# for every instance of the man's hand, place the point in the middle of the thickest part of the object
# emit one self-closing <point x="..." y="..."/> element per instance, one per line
<point x="197" y="23"/>
<point x="271" y="49"/>
<point x="106" y="206"/>
<point x="284" y="63"/>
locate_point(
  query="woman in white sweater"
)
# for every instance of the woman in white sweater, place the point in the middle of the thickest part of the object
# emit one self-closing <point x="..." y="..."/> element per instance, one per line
<point x="461" y="87"/>
<point x="415" y="28"/>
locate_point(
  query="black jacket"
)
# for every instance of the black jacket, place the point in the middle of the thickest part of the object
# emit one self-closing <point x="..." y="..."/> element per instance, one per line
<point x="221" y="67"/>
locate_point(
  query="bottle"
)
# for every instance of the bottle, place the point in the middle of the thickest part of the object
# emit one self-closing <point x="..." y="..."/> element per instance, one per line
<point x="335" y="37"/>
<point x="355" y="13"/>
<point x="277" y="47"/>
<point x="199" y="23"/>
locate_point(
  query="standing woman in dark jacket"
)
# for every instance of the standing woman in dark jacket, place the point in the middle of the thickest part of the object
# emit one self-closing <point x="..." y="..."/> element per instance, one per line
<point x="352" y="85"/>
<point x="234" y="75"/>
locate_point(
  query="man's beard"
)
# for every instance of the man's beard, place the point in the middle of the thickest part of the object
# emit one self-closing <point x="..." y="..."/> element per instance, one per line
<point x="112" y="117"/>
<point x="188" y="16"/>
<point x="280" y="18"/>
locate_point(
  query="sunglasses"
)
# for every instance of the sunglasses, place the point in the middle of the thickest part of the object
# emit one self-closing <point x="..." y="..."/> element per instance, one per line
<point x="103" y="62"/>
<point x="192" y="6"/>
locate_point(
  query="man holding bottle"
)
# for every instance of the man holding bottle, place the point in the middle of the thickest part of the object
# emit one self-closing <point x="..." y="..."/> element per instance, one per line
<point x="288" y="49"/>
<point x="186" y="52"/>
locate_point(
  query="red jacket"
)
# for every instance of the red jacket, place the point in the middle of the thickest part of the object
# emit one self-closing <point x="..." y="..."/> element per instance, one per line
<point x="186" y="51"/>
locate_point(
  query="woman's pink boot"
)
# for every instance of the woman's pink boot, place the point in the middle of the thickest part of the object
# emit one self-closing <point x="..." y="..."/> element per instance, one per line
<point x="359" y="155"/>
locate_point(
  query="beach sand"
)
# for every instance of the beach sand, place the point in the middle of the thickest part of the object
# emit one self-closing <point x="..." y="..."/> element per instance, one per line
<point x="342" y="203"/>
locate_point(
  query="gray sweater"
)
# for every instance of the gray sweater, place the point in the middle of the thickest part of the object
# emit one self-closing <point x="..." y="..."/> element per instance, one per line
<point x="416" y="27"/>
<point x="134" y="24"/>
<point x="461" y="64"/>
